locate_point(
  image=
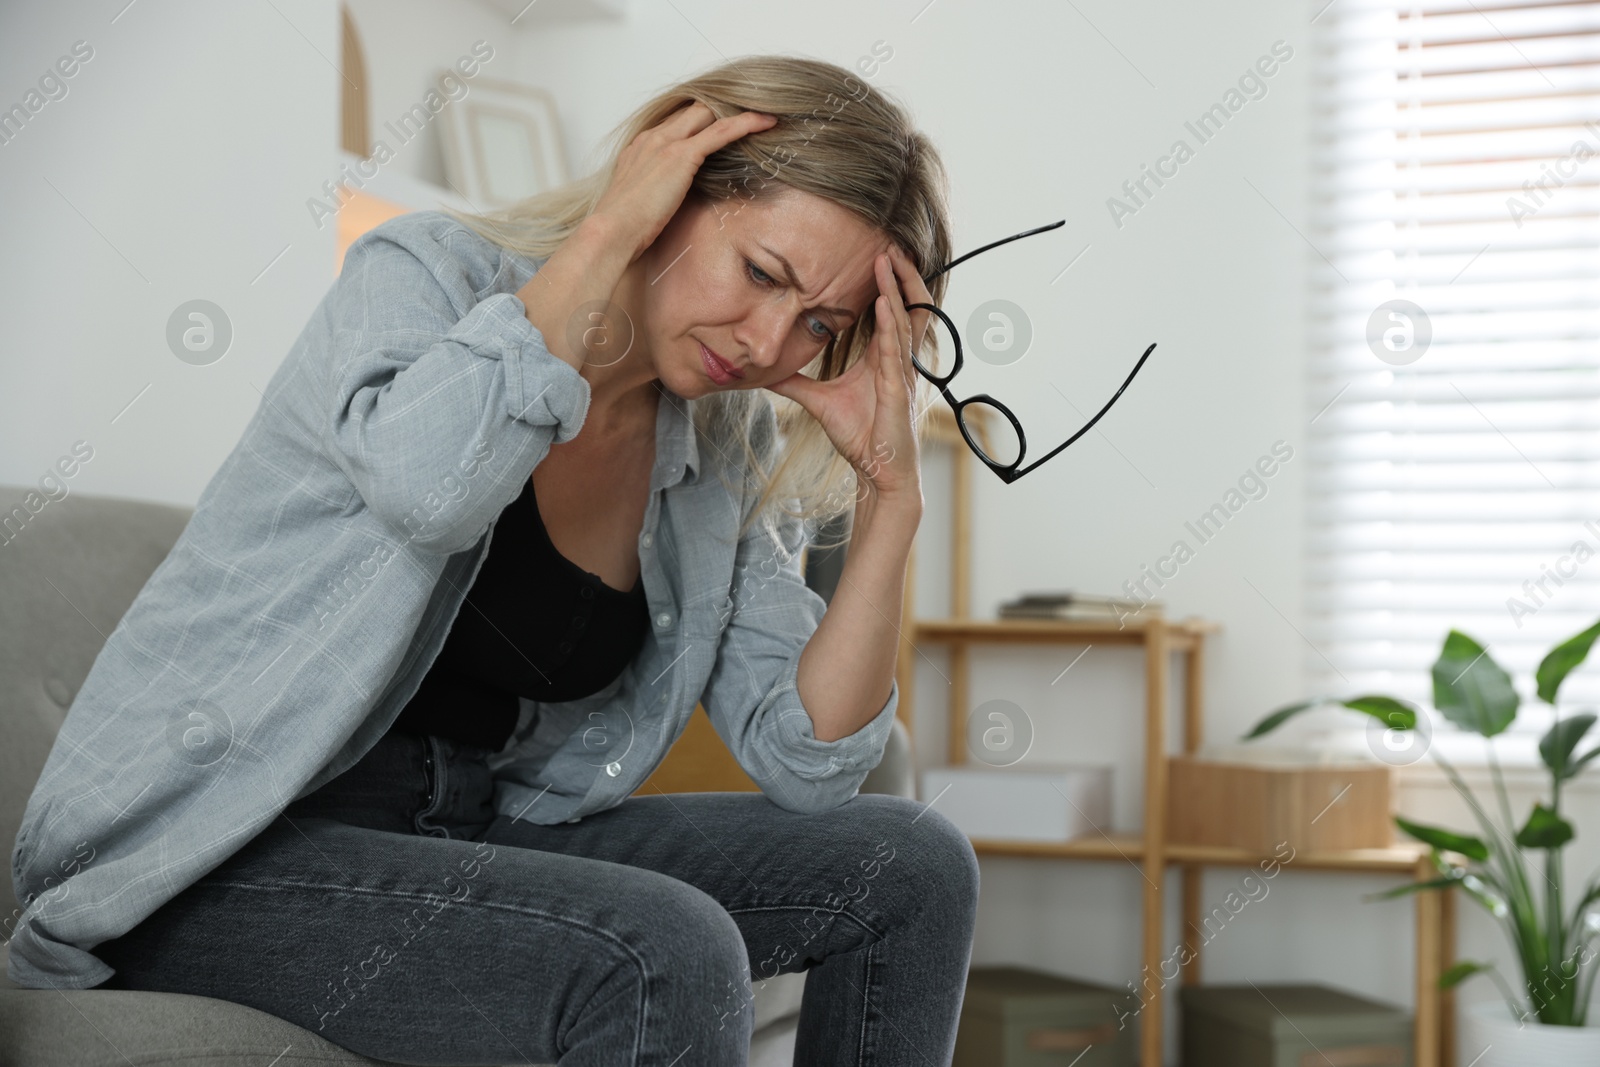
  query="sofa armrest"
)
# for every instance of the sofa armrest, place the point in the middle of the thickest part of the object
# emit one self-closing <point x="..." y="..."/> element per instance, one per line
<point x="895" y="773"/>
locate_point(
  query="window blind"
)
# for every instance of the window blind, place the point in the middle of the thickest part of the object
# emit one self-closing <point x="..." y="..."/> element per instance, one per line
<point x="1456" y="483"/>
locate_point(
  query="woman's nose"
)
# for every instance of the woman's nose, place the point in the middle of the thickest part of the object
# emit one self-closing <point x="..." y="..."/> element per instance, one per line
<point x="767" y="329"/>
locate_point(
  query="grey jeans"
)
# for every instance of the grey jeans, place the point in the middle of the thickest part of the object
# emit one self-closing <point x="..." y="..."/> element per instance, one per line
<point x="393" y="913"/>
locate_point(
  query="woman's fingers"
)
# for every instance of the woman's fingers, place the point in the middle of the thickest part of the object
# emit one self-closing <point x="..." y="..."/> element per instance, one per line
<point x="654" y="173"/>
<point x="889" y="362"/>
<point x="914" y="291"/>
<point x="899" y="318"/>
<point x="681" y="123"/>
<point x="697" y="126"/>
<point x="725" y="131"/>
<point x="891" y="293"/>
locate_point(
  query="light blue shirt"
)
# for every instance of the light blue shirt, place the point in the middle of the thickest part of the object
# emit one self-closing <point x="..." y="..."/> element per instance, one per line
<point x="305" y="600"/>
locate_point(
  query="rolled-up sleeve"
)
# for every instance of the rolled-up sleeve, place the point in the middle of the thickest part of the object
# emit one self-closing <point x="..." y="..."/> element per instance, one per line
<point x="427" y="389"/>
<point x="752" y="696"/>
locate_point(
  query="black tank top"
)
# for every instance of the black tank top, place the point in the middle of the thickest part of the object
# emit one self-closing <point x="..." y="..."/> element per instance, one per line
<point x="534" y="624"/>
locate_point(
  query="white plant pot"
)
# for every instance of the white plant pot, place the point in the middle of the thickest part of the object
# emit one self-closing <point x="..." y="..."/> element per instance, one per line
<point x="1492" y="1037"/>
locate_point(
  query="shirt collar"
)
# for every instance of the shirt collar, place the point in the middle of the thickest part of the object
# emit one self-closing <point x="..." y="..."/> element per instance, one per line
<point x="677" y="451"/>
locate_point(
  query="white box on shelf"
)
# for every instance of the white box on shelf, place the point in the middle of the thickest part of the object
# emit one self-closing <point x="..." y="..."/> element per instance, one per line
<point x="1043" y="802"/>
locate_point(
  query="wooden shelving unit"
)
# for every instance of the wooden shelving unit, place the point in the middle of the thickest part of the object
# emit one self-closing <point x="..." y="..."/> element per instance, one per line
<point x="1149" y="850"/>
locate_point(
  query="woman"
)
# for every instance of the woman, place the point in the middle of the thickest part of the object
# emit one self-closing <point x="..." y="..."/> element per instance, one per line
<point x="361" y="753"/>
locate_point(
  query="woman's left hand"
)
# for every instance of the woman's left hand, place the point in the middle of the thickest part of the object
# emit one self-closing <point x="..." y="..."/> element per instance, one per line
<point x="867" y="411"/>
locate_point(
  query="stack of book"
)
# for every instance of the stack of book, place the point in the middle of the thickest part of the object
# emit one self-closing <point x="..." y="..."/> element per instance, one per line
<point x="1078" y="606"/>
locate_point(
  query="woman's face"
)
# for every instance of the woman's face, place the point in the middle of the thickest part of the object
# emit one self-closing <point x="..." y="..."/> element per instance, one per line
<point x="716" y="277"/>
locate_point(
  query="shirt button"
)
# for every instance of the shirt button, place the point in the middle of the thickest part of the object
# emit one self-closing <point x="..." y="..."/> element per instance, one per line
<point x="663" y="620"/>
<point x="578" y="621"/>
<point x="647" y="540"/>
<point x="587" y="592"/>
<point x="613" y="769"/>
<point x="565" y="646"/>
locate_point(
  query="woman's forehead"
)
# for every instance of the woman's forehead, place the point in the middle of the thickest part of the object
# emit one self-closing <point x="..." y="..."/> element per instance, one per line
<point x="829" y="248"/>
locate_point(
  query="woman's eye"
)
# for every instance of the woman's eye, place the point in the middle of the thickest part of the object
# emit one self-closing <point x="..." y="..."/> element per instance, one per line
<point x="761" y="277"/>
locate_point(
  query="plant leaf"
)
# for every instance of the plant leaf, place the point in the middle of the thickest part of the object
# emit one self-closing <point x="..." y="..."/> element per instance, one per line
<point x="1486" y="893"/>
<point x="1480" y="886"/>
<point x="1544" y="829"/>
<point x="1279" y="717"/>
<point x="1583" y="761"/>
<point x="1560" y="661"/>
<point x="1395" y="714"/>
<point x="1591" y="893"/>
<point x="1455" y="975"/>
<point x="1557" y="745"/>
<point x="1471" y="689"/>
<point x="1471" y="847"/>
<point x="1447" y="882"/>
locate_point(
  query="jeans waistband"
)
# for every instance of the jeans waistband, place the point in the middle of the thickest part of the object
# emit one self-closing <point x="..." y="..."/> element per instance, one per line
<point x="410" y="784"/>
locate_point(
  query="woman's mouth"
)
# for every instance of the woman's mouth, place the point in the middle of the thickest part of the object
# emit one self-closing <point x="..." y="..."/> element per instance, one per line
<point x="718" y="370"/>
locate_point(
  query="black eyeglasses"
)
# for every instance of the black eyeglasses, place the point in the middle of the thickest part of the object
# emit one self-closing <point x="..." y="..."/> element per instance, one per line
<point x="1008" y="472"/>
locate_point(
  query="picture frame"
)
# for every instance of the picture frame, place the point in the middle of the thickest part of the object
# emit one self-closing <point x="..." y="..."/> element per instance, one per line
<point x="501" y="142"/>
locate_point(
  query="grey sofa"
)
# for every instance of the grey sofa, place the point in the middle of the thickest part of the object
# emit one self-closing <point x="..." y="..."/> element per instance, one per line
<point x="67" y="575"/>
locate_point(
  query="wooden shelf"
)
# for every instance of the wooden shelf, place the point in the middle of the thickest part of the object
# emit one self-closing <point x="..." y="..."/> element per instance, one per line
<point x="1400" y="858"/>
<point x="1148" y="849"/>
<point x="1181" y="635"/>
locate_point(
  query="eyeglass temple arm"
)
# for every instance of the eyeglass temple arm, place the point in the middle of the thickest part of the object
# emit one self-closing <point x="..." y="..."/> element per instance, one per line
<point x="992" y="244"/>
<point x="1090" y="424"/>
<point x="1086" y="426"/>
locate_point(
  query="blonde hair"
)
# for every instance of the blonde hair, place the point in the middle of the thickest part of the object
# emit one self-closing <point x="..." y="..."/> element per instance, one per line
<point x="837" y="138"/>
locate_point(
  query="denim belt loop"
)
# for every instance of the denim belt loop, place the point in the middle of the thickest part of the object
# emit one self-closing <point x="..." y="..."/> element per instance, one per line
<point x="436" y="771"/>
<point x="460" y="789"/>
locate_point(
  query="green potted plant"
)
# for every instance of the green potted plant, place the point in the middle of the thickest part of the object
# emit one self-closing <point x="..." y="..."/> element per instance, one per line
<point x="1554" y="944"/>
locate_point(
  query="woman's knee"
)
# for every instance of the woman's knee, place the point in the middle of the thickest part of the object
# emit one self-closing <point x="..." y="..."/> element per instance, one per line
<point x="676" y="958"/>
<point x="933" y="853"/>
<point x="681" y="940"/>
<point x="688" y="924"/>
<point x="713" y="962"/>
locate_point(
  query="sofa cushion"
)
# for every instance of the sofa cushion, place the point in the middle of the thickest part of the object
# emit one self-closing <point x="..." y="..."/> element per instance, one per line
<point x="116" y="1028"/>
<point x="68" y="574"/>
<point x="121" y="1028"/>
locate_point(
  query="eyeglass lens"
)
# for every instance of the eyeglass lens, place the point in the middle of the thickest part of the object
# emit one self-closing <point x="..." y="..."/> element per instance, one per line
<point x="990" y="428"/>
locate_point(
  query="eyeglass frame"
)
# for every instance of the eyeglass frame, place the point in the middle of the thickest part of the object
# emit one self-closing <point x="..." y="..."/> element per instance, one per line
<point x="1007" y="472"/>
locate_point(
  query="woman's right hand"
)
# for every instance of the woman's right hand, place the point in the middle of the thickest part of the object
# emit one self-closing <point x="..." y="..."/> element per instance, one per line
<point x="654" y="172"/>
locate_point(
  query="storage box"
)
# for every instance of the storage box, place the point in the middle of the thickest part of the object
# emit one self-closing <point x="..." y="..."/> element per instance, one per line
<point x="1020" y="1017"/>
<point x="1290" y="1026"/>
<point x="1042" y="803"/>
<point x="1257" y="802"/>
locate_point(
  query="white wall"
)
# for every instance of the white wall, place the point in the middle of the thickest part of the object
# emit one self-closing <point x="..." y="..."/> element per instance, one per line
<point x="180" y="162"/>
<point x="175" y="168"/>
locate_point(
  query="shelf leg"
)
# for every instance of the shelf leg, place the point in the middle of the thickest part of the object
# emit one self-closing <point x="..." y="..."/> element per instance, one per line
<point x="1194" y="678"/>
<point x="905" y="664"/>
<point x="1194" y="682"/>
<point x="1192" y="875"/>
<point x="1151" y="1030"/>
<point x="1447" y="959"/>
<point x="961" y="465"/>
<point x="1429" y="916"/>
